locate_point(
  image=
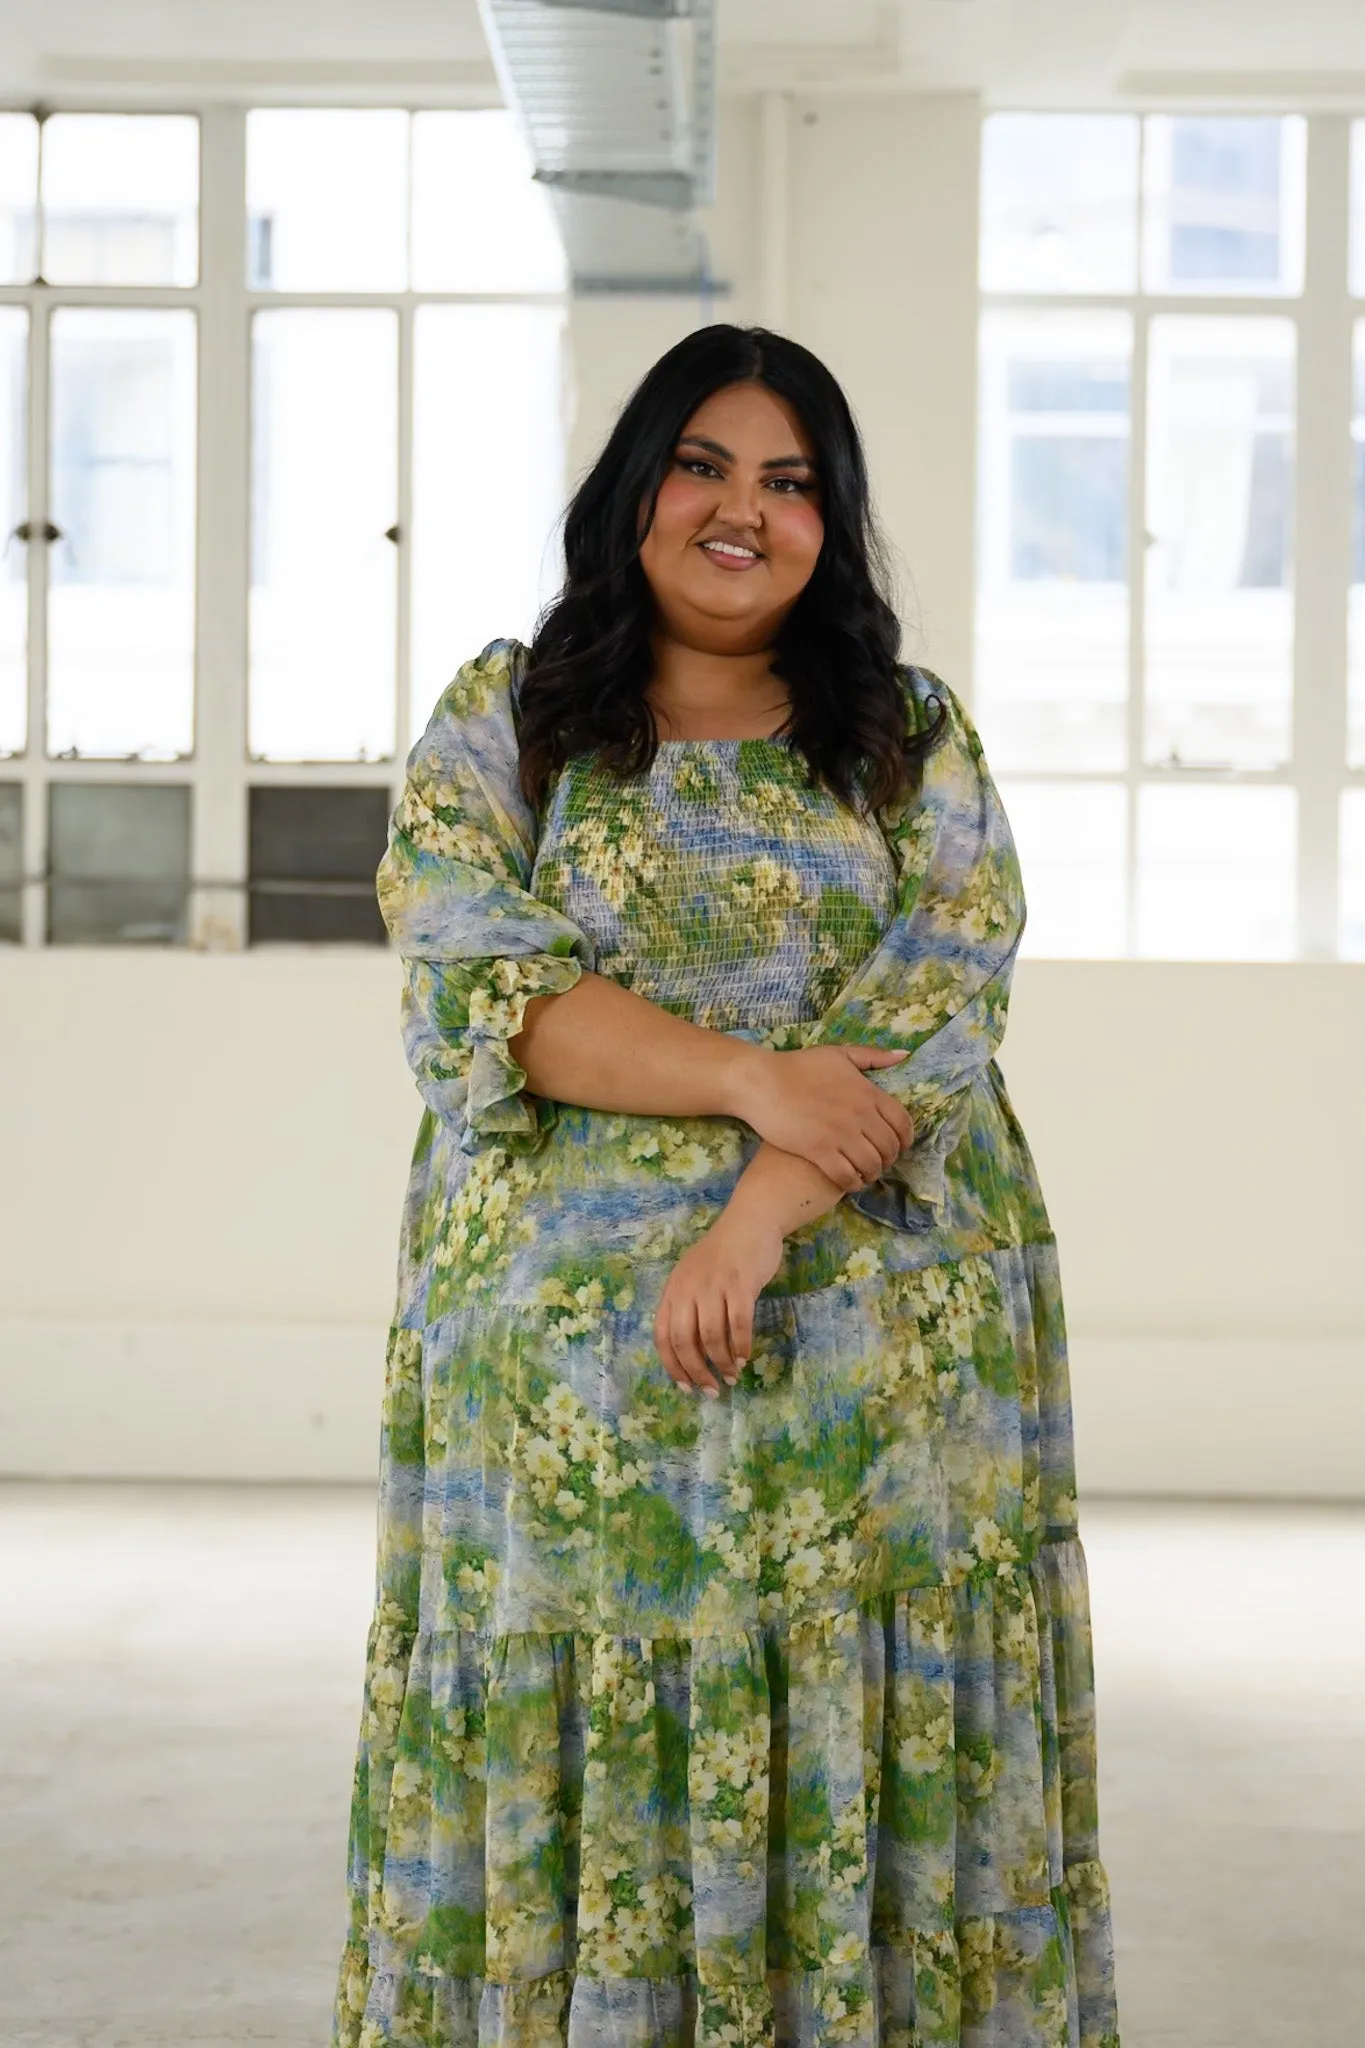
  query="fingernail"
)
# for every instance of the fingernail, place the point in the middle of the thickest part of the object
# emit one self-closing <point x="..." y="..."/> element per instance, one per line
<point x="711" y="1393"/>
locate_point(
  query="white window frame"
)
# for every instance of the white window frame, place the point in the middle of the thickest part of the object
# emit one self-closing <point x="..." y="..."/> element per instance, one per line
<point x="217" y="770"/>
<point x="1324" y="316"/>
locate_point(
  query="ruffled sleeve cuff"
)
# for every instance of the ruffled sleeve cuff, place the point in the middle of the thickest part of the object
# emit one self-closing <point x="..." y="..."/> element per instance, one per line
<point x="496" y="1102"/>
<point x="912" y="1194"/>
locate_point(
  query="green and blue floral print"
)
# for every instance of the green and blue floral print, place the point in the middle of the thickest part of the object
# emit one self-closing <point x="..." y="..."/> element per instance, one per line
<point x="765" y="1722"/>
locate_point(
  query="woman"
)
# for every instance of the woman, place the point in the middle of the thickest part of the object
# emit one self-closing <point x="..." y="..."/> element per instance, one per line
<point x="730" y="1676"/>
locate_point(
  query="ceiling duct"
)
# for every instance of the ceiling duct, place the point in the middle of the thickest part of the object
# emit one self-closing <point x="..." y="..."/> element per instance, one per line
<point x="617" y="100"/>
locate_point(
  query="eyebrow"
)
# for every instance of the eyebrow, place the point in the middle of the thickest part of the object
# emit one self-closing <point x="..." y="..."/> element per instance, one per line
<point x="726" y="455"/>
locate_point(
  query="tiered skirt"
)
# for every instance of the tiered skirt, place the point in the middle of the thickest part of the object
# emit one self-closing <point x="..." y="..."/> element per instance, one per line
<point x="868" y="1820"/>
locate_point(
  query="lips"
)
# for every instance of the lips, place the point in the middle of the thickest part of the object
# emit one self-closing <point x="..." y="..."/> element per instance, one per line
<point x="731" y="554"/>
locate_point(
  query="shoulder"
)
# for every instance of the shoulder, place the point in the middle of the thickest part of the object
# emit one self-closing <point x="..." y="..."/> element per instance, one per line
<point x="486" y="686"/>
<point x="475" y="714"/>
<point x="468" y="754"/>
<point x="928" y="698"/>
<point x="933" y="707"/>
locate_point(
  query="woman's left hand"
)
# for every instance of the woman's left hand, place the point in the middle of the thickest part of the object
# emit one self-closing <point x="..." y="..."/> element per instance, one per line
<point x="705" y="1322"/>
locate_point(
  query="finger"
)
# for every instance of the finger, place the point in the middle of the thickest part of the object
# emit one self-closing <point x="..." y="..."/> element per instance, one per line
<point x="663" y="1344"/>
<point x="866" y="1157"/>
<point x="854" y="1179"/>
<point x="886" y="1136"/>
<point x="836" y="1168"/>
<point x="865" y="1056"/>
<point x="900" y="1120"/>
<point x="739" y="1312"/>
<point x="714" y="1325"/>
<point x="891" y="1113"/>
<point x="688" y="1352"/>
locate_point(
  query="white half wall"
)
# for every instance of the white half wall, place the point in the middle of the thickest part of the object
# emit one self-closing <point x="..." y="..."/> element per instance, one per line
<point x="205" y="1158"/>
<point x="293" y="1401"/>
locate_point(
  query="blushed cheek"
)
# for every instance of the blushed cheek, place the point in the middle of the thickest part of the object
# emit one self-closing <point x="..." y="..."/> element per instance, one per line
<point x="680" y="508"/>
<point x="798" y="536"/>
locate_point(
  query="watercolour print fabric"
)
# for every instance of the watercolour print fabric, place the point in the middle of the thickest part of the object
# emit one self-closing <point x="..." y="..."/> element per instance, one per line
<point x="765" y="1722"/>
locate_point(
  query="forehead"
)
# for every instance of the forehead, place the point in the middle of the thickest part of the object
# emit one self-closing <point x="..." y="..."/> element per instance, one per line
<point x="751" y="419"/>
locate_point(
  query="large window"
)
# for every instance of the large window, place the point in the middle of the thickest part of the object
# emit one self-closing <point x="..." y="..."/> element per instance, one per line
<point x="281" y="443"/>
<point x="1170" y="633"/>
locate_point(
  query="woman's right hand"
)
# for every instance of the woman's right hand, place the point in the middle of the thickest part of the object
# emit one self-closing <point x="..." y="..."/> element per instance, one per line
<point x="819" y="1104"/>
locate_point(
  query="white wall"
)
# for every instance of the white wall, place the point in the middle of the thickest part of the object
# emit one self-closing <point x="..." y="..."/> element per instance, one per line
<point x="204" y="1158"/>
<point x="204" y="1155"/>
<point x="1200" y="1130"/>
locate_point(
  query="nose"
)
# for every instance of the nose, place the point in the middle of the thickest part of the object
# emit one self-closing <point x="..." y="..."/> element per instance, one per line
<point x="741" y="502"/>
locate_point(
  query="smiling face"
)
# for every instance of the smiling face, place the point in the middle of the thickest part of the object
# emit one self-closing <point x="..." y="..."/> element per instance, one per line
<point x="737" y="527"/>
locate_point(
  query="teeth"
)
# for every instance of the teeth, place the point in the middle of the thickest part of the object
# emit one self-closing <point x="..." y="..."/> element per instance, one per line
<point x="722" y="547"/>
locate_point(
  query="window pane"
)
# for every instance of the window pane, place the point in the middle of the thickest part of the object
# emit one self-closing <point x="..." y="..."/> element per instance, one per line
<point x="1052" y="570"/>
<point x="121" y="605"/>
<point x="1220" y="480"/>
<point x="488" y="453"/>
<point x="479" y="221"/>
<point x="11" y="859"/>
<point x="18" y="198"/>
<point x="1223" y="205"/>
<point x="121" y="199"/>
<point x="1355" y="713"/>
<point x="13" y="509"/>
<point x="324" y="576"/>
<point x="119" y="855"/>
<point x="1216" y="873"/>
<point x="1353" y="875"/>
<point x="1059" y="203"/>
<point x="1072" y="841"/>
<point x="327" y="199"/>
<point x="313" y="858"/>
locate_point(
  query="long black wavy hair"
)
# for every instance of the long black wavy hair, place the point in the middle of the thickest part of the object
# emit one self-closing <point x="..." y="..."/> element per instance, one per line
<point x="837" y="649"/>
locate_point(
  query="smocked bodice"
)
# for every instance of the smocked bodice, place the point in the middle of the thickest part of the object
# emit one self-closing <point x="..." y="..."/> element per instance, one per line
<point x="718" y="883"/>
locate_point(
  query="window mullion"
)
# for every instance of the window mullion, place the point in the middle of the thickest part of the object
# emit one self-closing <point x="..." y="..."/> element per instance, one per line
<point x="1137" y="604"/>
<point x="223" y="557"/>
<point x="35" y="765"/>
<point x="403" y="690"/>
<point x="1322" y="533"/>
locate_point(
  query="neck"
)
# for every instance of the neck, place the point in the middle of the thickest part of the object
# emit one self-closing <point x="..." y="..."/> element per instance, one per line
<point x="696" y="693"/>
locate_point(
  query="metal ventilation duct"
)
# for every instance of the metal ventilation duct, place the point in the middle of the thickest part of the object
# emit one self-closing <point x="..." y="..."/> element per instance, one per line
<point x="617" y="101"/>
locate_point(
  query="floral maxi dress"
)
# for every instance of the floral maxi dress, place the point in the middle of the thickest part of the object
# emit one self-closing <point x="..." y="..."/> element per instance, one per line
<point x="765" y="1722"/>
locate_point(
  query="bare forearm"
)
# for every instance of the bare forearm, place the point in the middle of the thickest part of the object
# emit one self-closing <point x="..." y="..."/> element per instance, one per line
<point x="602" y="1047"/>
<point x="781" y="1191"/>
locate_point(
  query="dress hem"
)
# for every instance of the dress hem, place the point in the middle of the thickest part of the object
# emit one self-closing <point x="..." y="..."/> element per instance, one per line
<point x="916" y="1987"/>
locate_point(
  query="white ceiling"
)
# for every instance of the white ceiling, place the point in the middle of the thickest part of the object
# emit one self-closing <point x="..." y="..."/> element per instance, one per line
<point x="1033" y="52"/>
<point x="1038" y="52"/>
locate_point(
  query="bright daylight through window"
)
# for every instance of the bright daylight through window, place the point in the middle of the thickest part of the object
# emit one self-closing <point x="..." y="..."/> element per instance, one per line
<point x="402" y="286"/>
<point x="1182" y="770"/>
<point x="1170" y="662"/>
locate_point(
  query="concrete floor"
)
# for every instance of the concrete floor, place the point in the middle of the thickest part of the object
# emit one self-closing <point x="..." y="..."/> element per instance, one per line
<point x="180" y="1701"/>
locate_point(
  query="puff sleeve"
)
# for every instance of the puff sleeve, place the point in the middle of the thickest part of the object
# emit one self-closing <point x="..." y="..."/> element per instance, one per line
<point x="453" y="890"/>
<point x="938" y="984"/>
